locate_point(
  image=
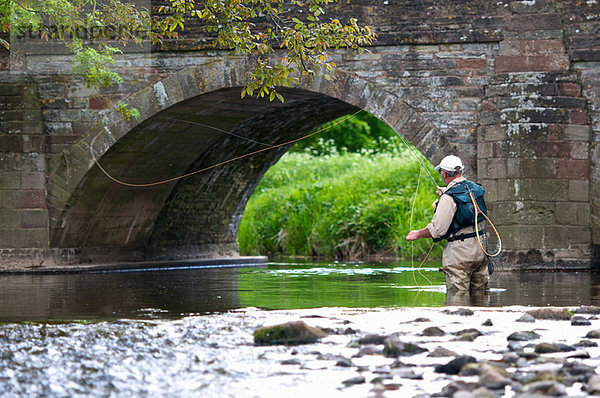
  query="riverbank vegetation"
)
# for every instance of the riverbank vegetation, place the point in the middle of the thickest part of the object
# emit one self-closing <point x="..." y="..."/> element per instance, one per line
<point x="328" y="200"/>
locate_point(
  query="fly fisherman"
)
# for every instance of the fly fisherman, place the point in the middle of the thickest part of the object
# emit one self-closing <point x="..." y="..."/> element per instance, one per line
<point x="463" y="261"/>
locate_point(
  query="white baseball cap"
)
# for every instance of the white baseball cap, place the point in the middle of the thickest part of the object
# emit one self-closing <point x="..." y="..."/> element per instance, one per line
<point x="450" y="163"/>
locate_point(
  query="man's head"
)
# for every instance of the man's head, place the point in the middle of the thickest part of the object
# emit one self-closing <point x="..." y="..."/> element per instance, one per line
<point x="450" y="167"/>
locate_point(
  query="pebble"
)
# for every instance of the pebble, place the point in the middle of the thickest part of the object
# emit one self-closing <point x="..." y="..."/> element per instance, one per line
<point x="492" y="377"/>
<point x="526" y="318"/>
<point x="442" y="352"/>
<point x="394" y="347"/>
<point x="523" y="336"/>
<point x="580" y="321"/>
<point x="593" y="334"/>
<point x="594" y="384"/>
<point x="551" y="314"/>
<point x="454" y="366"/>
<point x="354" y="380"/>
<point x="488" y="322"/>
<point x="433" y="331"/>
<point x="551" y="388"/>
<point x="371" y="339"/>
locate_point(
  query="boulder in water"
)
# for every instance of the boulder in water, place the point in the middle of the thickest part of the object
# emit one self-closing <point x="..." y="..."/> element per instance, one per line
<point x="289" y="333"/>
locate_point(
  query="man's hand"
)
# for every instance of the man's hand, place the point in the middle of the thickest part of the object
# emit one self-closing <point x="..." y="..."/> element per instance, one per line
<point x="440" y="190"/>
<point x="413" y="235"/>
<point x="418" y="234"/>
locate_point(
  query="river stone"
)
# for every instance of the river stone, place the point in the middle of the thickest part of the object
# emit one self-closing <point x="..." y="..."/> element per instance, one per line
<point x="590" y="310"/>
<point x="470" y="336"/>
<point x="593" y="334"/>
<point x="488" y="322"/>
<point x="523" y="336"/>
<point x="289" y="333"/>
<point x="560" y="314"/>
<point x="577" y="370"/>
<point x="371" y="339"/>
<point x="580" y="321"/>
<point x="293" y="361"/>
<point x="454" y="366"/>
<point x="455" y="386"/>
<point x="369" y="349"/>
<point x="421" y="319"/>
<point x="546" y="348"/>
<point x="460" y="311"/>
<point x="468" y="331"/>
<point x="586" y="343"/>
<point x="442" y="352"/>
<point x="344" y="362"/>
<point x="433" y="331"/>
<point x="526" y="318"/>
<point x="514" y="346"/>
<point x="594" y="384"/>
<point x="579" y="354"/>
<point x="492" y="377"/>
<point x="354" y="380"/>
<point x="407" y="373"/>
<point x="393" y="348"/>
<point x="470" y="369"/>
<point x="551" y="388"/>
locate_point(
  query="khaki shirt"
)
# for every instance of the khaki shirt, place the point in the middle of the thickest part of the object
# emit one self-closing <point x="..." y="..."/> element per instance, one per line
<point x="459" y="251"/>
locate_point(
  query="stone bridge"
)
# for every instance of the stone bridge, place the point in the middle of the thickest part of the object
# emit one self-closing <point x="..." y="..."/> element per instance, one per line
<point x="511" y="86"/>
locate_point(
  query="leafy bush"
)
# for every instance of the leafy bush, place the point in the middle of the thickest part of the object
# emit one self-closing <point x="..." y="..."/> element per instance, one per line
<point x="345" y="205"/>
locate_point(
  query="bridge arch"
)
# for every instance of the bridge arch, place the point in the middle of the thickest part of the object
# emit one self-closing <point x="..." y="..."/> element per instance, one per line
<point x="189" y="120"/>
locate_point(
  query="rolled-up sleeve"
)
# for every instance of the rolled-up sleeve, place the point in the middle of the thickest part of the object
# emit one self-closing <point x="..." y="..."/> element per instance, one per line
<point x="443" y="217"/>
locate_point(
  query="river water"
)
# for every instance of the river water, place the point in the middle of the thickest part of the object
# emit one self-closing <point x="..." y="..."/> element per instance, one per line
<point x="189" y="332"/>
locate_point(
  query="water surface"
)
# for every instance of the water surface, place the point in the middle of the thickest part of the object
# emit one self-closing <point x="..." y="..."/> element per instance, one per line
<point x="290" y="285"/>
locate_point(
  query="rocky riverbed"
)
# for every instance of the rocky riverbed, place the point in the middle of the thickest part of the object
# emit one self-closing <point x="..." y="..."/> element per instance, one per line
<point x="408" y="352"/>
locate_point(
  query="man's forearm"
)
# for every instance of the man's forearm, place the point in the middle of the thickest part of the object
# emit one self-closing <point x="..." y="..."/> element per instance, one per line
<point x="418" y="234"/>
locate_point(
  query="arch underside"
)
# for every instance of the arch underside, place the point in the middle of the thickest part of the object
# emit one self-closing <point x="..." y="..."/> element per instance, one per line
<point x="197" y="216"/>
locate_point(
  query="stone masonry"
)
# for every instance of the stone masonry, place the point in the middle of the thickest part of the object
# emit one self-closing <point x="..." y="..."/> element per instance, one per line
<point x="511" y="86"/>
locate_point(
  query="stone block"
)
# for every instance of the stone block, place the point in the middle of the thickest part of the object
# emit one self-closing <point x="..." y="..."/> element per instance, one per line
<point x="33" y="218"/>
<point x="542" y="189"/>
<point x="35" y="181"/>
<point x="578" y="191"/>
<point x="32" y="199"/>
<point x="532" y="63"/>
<point x="494" y="133"/>
<point x="537" y="168"/>
<point x="11" y="143"/>
<point x="9" y="219"/>
<point x="573" y="169"/>
<point x="471" y="63"/>
<point x="569" y="89"/>
<point x="578" y="116"/>
<point x="532" y="7"/>
<point x="531" y="237"/>
<point x="9" y="199"/>
<point x="529" y="22"/>
<point x="580" y="150"/>
<point x="30" y="238"/>
<point x="9" y="180"/>
<point x="577" y="133"/>
<point x="562" y="236"/>
<point x="485" y="150"/>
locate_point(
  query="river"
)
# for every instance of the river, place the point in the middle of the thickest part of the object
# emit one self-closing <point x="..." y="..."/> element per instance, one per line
<point x="189" y="332"/>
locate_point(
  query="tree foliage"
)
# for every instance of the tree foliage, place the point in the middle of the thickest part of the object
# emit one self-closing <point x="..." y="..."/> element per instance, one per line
<point x="360" y="133"/>
<point x="256" y="28"/>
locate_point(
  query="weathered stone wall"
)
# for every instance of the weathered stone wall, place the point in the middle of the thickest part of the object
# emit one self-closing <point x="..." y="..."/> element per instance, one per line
<point x="511" y="86"/>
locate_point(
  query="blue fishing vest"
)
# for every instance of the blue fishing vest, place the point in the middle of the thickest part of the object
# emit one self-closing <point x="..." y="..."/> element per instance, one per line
<point x="465" y="212"/>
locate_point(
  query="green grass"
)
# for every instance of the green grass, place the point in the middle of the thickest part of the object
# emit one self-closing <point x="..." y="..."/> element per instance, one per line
<point x="342" y="205"/>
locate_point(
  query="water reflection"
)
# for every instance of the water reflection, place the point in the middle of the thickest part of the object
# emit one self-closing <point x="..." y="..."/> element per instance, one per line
<point x="279" y="286"/>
